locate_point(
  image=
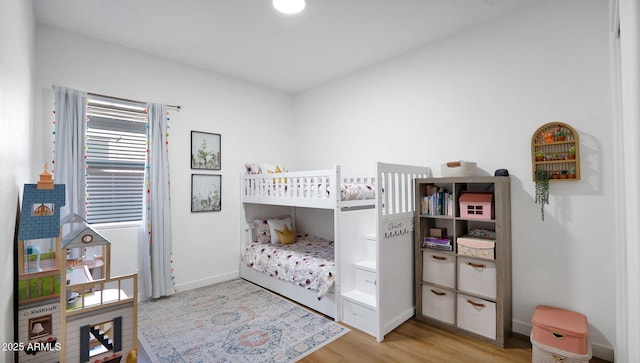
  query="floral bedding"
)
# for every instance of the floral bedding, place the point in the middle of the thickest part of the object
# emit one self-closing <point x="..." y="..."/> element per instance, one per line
<point x="357" y="191"/>
<point x="348" y="191"/>
<point x="308" y="262"/>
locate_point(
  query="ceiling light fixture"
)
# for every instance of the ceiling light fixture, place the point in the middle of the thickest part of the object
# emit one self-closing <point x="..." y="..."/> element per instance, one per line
<point x="289" y="6"/>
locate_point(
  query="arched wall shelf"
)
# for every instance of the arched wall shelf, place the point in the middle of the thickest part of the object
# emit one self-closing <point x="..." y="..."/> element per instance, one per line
<point x="555" y="147"/>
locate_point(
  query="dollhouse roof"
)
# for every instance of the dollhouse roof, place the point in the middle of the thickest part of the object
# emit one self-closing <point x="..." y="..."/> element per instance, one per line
<point x="476" y="197"/>
<point x="77" y="232"/>
<point x="40" y="214"/>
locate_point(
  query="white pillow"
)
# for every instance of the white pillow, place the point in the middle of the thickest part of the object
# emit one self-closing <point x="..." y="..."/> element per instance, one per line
<point x="279" y="225"/>
<point x="261" y="227"/>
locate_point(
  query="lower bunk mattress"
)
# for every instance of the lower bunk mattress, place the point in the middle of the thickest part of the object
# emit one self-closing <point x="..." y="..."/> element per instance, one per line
<point x="308" y="262"/>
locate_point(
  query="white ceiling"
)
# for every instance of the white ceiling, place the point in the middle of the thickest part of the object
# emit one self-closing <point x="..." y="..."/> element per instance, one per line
<point x="249" y="40"/>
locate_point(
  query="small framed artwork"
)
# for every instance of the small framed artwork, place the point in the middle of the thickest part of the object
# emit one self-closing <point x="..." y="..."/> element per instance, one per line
<point x="205" y="150"/>
<point x="206" y="193"/>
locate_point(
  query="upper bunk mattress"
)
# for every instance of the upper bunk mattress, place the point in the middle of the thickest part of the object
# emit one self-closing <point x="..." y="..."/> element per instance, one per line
<point x="308" y="262"/>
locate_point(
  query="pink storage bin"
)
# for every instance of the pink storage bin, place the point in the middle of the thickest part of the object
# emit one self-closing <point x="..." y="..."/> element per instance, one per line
<point x="476" y="247"/>
<point x="562" y="329"/>
<point x="476" y="205"/>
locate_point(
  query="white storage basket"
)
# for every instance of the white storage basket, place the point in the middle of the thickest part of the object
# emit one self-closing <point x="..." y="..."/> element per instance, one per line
<point x="545" y="354"/>
<point x="459" y="168"/>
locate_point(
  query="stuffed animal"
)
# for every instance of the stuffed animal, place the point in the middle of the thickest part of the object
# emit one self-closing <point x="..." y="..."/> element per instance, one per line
<point x="132" y="357"/>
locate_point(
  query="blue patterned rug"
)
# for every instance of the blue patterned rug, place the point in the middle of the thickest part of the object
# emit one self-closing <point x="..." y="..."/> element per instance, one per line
<point x="234" y="321"/>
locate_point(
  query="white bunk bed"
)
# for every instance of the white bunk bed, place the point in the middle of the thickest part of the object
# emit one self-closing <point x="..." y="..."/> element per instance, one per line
<point x="315" y="202"/>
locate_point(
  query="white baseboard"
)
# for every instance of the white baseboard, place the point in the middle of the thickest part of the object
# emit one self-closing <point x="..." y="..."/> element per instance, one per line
<point x="521" y="328"/>
<point x="597" y="349"/>
<point x="207" y="281"/>
<point x="190" y="285"/>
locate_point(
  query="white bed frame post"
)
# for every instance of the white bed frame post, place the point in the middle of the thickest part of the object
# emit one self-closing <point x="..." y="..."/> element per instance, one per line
<point x="337" y="178"/>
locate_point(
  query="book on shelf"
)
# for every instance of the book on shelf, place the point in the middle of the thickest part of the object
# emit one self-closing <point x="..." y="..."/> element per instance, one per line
<point x="441" y="243"/>
<point x="434" y="239"/>
<point x="438" y="246"/>
<point x="437" y="201"/>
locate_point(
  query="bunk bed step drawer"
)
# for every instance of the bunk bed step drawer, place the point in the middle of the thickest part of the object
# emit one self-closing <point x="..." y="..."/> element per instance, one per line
<point x="438" y="303"/>
<point x="438" y="268"/>
<point x="358" y="316"/>
<point x="366" y="281"/>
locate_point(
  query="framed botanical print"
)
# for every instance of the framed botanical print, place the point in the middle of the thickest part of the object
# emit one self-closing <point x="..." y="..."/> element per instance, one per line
<point x="206" y="193"/>
<point x="205" y="150"/>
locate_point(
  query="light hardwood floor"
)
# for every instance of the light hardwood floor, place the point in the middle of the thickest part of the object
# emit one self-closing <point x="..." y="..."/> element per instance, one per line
<point x="415" y="341"/>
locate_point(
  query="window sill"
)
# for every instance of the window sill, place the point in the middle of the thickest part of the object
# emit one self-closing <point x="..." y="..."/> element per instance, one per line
<point x="117" y="225"/>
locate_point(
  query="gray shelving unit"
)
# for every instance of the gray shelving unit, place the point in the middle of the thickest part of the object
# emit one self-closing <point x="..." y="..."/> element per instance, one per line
<point x="466" y="295"/>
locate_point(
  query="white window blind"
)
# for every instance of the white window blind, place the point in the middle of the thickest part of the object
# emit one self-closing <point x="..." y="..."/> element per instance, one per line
<point x="116" y="154"/>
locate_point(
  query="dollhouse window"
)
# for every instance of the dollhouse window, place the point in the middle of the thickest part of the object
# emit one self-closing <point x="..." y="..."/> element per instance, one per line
<point x="474" y="209"/>
<point x="42" y="209"/>
<point x="40" y="327"/>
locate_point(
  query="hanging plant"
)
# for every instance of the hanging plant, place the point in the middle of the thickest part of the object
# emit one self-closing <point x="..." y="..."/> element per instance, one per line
<point x="542" y="189"/>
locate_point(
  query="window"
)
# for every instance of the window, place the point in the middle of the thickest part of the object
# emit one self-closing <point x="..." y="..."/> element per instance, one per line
<point x="116" y="139"/>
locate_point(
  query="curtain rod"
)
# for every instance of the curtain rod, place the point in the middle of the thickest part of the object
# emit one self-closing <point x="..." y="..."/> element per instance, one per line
<point x="175" y="107"/>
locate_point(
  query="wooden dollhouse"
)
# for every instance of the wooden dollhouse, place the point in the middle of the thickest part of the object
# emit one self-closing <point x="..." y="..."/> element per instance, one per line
<point x="69" y="306"/>
<point x="476" y="205"/>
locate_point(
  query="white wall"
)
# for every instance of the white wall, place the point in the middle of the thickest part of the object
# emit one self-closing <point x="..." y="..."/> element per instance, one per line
<point x="16" y="75"/>
<point x="479" y="96"/>
<point x="206" y="245"/>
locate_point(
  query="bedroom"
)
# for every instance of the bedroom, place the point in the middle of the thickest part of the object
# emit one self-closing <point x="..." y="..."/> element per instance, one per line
<point x="496" y="83"/>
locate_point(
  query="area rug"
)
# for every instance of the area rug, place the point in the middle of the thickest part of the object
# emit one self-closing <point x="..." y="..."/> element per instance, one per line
<point x="234" y="321"/>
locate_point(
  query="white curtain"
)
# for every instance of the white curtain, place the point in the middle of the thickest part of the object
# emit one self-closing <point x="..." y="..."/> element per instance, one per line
<point x="70" y="118"/>
<point x="158" y="276"/>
